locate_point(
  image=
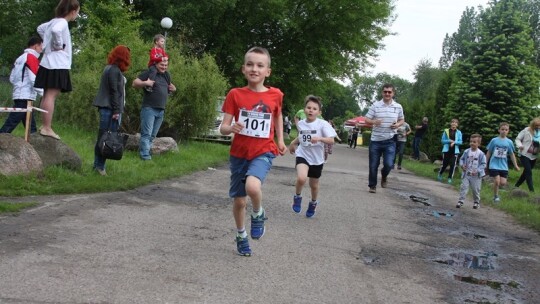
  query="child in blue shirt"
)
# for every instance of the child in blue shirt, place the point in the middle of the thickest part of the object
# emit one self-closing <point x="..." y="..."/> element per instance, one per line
<point x="498" y="150"/>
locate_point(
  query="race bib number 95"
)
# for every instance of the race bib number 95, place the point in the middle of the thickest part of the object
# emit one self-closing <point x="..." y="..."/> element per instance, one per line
<point x="256" y="124"/>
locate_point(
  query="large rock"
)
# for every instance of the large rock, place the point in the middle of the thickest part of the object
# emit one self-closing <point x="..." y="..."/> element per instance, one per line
<point x="160" y="145"/>
<point x="17" y="157"/>
<point x="55" y="152"/>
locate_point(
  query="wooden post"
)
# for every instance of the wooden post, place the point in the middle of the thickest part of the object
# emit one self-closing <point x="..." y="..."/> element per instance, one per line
<point x="28" y="115"/>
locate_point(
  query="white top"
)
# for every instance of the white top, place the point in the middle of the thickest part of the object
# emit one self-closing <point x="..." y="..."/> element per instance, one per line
<point x="313" y="153"/>
<point x="56" y="44"/>
<point x="389" y="114"/>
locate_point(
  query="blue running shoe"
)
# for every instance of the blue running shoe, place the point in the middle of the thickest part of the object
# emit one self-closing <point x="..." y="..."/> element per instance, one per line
<point x="257" y="225"/>
<point x="297" y="204"/>
<point x="242" y="245"/>
<point x="311" y="209"/>
<point x="439" y="178"/>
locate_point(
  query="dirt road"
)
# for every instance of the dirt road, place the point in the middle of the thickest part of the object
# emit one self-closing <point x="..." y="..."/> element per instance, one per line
<point x="172" y="242"/>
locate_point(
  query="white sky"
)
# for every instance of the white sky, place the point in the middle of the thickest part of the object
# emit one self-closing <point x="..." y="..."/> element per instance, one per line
<point x="420" y="28"/>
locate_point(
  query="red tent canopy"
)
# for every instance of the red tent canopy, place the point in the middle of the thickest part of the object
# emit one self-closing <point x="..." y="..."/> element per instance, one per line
<point x="361" y="120"/>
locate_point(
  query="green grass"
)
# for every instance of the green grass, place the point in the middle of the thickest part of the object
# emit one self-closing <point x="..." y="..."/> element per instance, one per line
<point x="128" y="173"/>
<point x="6" y="207"/>
<point x="524" y="210"/>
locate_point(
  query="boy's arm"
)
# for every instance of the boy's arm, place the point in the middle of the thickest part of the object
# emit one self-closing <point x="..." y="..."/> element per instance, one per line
<point x="482" y="164"/>
<point x="292" y="145"/>
<point x="278" y="127"/>
<point x="514" y="161"/>
<point x="459" y="139"/>
<point x="227" y="127"/>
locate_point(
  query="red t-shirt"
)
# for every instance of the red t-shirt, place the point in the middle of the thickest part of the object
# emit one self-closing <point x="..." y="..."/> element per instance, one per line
<point x="155" y="55"/>
<point x="248" y="147"/>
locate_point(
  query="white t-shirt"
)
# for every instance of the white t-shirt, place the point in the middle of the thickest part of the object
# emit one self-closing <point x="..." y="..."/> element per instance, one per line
<point x="313" y="153"/>
<point x="389" y="114"/>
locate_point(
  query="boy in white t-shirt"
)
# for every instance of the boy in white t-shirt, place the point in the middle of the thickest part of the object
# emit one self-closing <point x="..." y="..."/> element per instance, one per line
<point x="313" y="134"/>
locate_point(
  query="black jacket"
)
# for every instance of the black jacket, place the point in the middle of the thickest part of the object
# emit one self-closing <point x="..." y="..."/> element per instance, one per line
<point x="111" y="90"/>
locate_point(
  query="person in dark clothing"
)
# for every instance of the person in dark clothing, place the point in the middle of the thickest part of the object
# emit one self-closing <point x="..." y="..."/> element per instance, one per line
<point x="352" y="143"/>
<point x="419" y="133"/>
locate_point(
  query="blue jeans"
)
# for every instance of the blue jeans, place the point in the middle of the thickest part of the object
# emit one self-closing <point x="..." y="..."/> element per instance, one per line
<point x="151" y="119"/>
<point x="14" y="118"/>
<point x="400" y="148"/>
<point x="386" y="149"/>
<point x="416" y="147"/>
<point x="105" y="122"/>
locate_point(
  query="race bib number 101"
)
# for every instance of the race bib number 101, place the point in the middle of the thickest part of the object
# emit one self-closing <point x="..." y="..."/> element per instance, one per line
<point x="256" y="124"/>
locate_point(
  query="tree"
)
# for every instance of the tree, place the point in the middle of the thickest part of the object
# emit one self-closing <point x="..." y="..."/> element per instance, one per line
<point x="18" y="22"/>
<point x="458" y="45"/>
<point x="309" y="41"/>
<point x="499" y="80"/>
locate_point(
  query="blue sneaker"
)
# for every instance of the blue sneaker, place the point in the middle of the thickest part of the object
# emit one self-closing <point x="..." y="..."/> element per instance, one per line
<point x="439" y="178"/>
<point x="297" y="204"/>
<point x="242" y="245"/>
<point x="257" y="225"/>
<point x="311" y="209"/>
<point x="450" y="181"/>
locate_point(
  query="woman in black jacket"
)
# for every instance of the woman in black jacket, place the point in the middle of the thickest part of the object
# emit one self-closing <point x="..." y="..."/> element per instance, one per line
<point x="110" y="98"/>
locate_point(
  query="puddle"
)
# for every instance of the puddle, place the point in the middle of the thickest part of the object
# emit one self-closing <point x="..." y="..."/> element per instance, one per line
<point x="419" y="199"/>
<point x="443" y="214"/>
<point x="493" y="284"/>
<point x="466" y="260"/>
<point x="474" y="235"/>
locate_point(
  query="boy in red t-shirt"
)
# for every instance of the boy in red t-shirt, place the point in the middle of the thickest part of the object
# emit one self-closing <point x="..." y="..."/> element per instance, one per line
<point x="157" y="54"/>
<point x="256" y="110"/>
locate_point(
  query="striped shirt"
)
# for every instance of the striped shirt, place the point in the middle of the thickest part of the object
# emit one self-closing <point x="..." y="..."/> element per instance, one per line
<point x="389" y="114"/>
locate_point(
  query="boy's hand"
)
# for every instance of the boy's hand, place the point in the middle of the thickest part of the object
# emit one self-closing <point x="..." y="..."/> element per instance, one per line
<point x="237" y="127"/>
<point x="282" y="147"/>
<point x="292" y="148"/>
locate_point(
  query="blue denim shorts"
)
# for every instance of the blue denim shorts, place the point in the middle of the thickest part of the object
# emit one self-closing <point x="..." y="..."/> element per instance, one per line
<point x="242" y="168"/>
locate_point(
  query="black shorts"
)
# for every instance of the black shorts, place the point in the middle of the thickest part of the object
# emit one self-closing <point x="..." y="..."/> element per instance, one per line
<point x="53" y="79"/>
<point x="501" y="173"/>
<point x="315" y="171"/>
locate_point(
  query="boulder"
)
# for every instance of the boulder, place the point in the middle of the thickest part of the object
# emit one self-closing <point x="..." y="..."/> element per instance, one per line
<point x="17" y="157"/>
<point x="54" y="152"/>
<point x="160" y="145"/>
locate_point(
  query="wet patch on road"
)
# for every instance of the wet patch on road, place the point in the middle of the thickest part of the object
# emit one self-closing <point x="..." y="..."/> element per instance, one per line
<point x="484" y="261"/>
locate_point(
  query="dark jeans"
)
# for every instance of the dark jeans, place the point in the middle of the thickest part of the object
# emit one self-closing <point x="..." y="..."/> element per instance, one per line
<point x="416" y="147"/>
<point x="386" y="149"/>
<point x="105" y="122"/>
<point x="14" y="118"/>
<point x="449" y="158"/>
<point x="527" y="165"/>
<point x="353" y="141"/>
<point x="400" y="148"/>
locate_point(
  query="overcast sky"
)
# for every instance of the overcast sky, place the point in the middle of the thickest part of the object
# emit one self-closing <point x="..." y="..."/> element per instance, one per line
<point x="420" y="28"/>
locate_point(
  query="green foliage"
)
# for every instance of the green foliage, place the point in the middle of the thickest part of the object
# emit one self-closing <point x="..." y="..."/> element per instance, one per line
<point x="308" y="41"/>
<point x="499" y="81"/>
<point x="19" y="20"/>
<point x="199" y="81"/>
<point x="200" y="86"/>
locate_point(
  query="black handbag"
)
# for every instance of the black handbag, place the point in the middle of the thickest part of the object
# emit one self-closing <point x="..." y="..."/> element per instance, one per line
<point x="111" y="144"/>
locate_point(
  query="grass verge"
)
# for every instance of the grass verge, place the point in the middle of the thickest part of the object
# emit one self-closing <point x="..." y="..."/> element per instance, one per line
<point x="128" y="173"/>
<point x="526" y="210"/>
